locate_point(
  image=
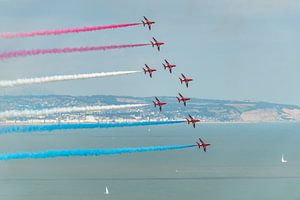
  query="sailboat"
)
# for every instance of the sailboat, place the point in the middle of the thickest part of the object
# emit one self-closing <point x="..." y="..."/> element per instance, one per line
<point x="282" y="159"/>
<point x="106" y="191"/>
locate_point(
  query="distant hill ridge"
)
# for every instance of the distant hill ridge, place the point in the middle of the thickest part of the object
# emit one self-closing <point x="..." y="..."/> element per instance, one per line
<point x="206" y="109"/>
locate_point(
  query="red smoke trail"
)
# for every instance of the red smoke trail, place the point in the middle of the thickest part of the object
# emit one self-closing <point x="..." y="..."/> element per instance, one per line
<point x="64" y="31"/>
<point x="34" y="52"/>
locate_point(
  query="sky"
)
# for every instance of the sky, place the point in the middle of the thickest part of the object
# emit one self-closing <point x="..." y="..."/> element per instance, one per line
<point x="234" y="49"/>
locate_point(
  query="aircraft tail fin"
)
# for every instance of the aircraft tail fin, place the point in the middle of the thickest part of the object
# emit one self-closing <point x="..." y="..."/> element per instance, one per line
<point x="199" y="145"/>
<point x="152" y="43"/>
<point x="180" y="80"/>
<point x="154" y="103"/>
<point x="165" y="67"/>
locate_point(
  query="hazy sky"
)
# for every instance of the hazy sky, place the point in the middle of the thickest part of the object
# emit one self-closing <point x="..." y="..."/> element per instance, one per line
<point x="243" y="49"/>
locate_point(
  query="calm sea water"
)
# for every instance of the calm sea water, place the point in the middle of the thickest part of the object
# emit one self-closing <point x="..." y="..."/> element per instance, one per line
<point x="244" y="162"/>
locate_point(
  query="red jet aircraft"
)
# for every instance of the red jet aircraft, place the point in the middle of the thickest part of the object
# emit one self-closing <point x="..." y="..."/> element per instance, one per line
<point x="202" y="144"/>
<point x="185" y="80"/>
<point x="156" y="43"/>
<point x="147" y="22"/>
<point x="168" y="65"/>
<point x="192" y="120"/>
<point x="159" y="103"/>
<point x="183" y="99"/>
<point x="149" y="70"/>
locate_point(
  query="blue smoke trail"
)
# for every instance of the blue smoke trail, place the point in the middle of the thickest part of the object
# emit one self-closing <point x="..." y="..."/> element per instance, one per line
<point x="86" y="152"/>
<point x="53" y="127"/>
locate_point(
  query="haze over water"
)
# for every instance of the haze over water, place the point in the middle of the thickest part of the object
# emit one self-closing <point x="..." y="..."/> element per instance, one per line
<point x="244" y="162"/>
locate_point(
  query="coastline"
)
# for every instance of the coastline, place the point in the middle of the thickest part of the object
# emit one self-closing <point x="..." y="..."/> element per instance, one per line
<point x="55" y="122"/>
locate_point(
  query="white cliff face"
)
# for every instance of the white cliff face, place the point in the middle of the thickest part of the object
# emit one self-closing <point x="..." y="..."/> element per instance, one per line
<point x="260" y="115"/>
<point x="293" y="114"/>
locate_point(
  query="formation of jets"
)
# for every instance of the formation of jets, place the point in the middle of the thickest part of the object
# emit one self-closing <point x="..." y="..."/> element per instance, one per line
<point x="183" y="80"/>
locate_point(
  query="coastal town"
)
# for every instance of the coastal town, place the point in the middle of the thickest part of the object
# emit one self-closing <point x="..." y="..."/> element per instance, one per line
<point x="209" y="111"/>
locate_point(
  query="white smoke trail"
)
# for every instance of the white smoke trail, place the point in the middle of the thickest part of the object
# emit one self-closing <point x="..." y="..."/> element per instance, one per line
<point x="30" y="113"/>
<point x="46" y="79"/>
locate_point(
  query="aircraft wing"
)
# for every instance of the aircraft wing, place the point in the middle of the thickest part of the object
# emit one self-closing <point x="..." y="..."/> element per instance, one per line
<point x="201" y="141"/>
<point x="180" y="95"/>
<point x="157" y="99"/>
<point x="183" y="75"/>
<point x="154" y="39"/>
<point x="146" y="18"/>
<point x="166" y="61"/>
<point x="190" y="116"/>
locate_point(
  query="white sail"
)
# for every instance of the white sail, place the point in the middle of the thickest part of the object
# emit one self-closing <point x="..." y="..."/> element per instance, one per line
<point x="106" y="190"/>
<point x="283" y="160"/>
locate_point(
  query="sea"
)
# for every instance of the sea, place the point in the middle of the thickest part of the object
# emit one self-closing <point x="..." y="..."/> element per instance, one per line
<point x="243" y="162"/>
